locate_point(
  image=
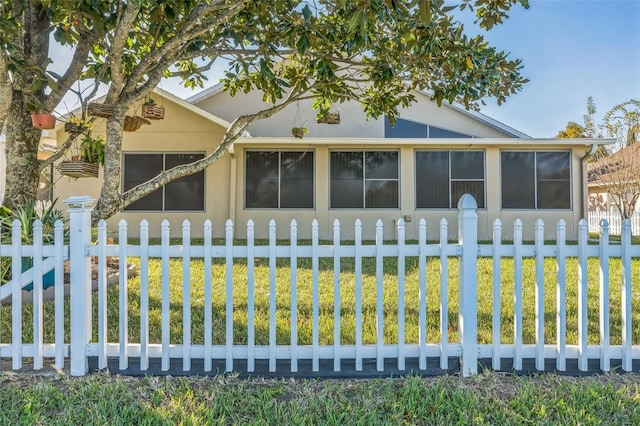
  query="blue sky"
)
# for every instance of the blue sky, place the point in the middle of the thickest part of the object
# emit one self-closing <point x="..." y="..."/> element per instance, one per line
<point x="571" y="49"/>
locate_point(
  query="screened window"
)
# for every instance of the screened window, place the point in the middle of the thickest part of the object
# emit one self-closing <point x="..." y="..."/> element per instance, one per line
<point x="364" y="180"/>
<point x="442" y="177"/>
<point x="279" y="180"/>
<point x="184" y="194"/>
<point x="536" y="180"/>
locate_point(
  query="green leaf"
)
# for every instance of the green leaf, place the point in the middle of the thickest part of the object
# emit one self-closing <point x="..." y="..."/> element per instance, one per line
<point x="424" y="9"/>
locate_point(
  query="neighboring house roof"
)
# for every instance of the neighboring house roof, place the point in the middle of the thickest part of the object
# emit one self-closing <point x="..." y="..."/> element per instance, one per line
<point x="623" y="164"/>
<point x="494" y="124"/>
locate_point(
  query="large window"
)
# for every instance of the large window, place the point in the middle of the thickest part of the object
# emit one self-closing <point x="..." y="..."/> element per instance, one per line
<point x="442" y="177"/>
<point x="184" y="194"/>
<point x="279" y="180"/>
<point x="536" y="180"/>
<point x="364" y="180"/>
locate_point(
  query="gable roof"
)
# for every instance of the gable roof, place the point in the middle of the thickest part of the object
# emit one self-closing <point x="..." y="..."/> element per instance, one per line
<point x="478" y="116"/>
<point x="173" y="98"/>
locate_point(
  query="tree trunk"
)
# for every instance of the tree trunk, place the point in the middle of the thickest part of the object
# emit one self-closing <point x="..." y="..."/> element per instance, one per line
<point x="22" y="155"/>
<point x="32" y="47"/>
<point x="110" y="201"/>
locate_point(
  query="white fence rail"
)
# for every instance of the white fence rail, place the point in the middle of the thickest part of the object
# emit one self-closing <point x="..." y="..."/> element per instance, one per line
<point x="615" y="222"/>
<point x="467" y="251"/>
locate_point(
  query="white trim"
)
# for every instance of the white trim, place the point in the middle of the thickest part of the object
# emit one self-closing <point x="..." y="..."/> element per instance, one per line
<point x="446" y="142"/>
<point x="206" y="93"/>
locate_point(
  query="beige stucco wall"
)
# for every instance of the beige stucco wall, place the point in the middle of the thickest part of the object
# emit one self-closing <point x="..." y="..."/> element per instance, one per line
<point x="407" y="148"/>
<point x="181" y="131"/>
<point x="353" y="122"/>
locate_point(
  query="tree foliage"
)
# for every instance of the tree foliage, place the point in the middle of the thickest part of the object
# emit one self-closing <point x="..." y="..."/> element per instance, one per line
<point x="619" y="173"/>
<point x="373" y="51"/>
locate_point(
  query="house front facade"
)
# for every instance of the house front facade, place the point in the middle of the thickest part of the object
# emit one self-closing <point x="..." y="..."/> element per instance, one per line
<point x="357" y="169"/>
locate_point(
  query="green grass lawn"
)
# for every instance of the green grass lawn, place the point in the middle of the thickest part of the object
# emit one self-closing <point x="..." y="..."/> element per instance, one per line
<point x="490" y="399"/>
<point x="348" y="306"/>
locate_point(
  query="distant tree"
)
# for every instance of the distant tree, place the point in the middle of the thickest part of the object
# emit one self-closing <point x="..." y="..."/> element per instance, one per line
<point x="619" y="173"/>
<point x="572" y="131"/>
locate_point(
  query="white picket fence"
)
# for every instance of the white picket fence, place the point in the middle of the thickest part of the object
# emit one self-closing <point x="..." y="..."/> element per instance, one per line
<point x="467" y="250"/>
<point x="615" y="222"/>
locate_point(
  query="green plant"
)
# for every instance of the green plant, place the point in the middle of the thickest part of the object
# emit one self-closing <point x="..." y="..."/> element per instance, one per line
<point x="299" y="132"/>
<point x="27" y="216"/>
<point x="92" y="149"/>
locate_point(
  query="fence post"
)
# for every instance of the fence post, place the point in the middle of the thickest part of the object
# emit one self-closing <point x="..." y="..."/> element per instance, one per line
<point x="79" y="209"/>
<point x="468" y="286"/>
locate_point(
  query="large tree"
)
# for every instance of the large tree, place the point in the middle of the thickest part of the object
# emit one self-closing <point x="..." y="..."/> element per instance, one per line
<point x="619" y="173"/>
<point x="373" y="51"/>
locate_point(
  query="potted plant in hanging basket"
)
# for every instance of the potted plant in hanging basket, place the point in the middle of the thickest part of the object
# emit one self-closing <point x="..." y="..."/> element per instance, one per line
<point x="90" y="158"/>
<point x="103" y="110"/>
<point x="329" y="118"/>
<point x="152" y="111"/>
<point x="76" y="126"/>
<point x="133" y="123"/>
<point x="43" y="121"/>
<point x="298" y="132"/>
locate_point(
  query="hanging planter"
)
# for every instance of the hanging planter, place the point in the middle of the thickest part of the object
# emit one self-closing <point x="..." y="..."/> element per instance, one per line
<point x="133" y="123"/>
<point x="298" y="132"/>
<point x="88" y="163"/>
<point x="152" y="111"/>
<point x="43" y="121"/>
<point x="75" y="128"/>
<point x="79" y="169"/>
<point x="330" y="118"/>
<point x="100" y="110"/>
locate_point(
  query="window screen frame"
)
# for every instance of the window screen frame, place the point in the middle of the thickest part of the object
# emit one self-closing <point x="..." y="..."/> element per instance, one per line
<point x="453" y="204"/>
<point x="365" y="180"/>
<point x="280" y="152"/>
<point x="163" y="187"/>
<point x="535" y="180"/>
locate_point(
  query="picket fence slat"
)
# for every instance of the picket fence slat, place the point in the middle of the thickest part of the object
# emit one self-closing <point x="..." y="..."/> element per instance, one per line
<point x="229" y="296"/>
<point x="144" y="296"/>
<point x="316" y="297"/>
<point x="539" y="295"/>
<point x="517" y="294"/>
<point x="186" y="297"/>
<point x="497" y="275"/>
<point x="251" y="302"/>
<point x="336" y="296"/>
<point x="124" y="297"/>
<point x="582" y="296"/>
<point x="166" y="330"/>
<point x="422" y="272"/>
<point x="561" y="296"/>
<point x="102" y="294"/>
<point x="208" y="302"/>
<point x="626" y="296"/>
<point x="358" y="295"/>
<point x="444" y="292"/>
<point x="272" y="295"/>
<point x="59" y="256"/>
<point x="293" y="240"/>
<point x="37" y="295"/>
<point x="16" y="297"/>
<point x="379" y="298"/>
<point x="401" y="285"/>
<point x="604" y="296"/>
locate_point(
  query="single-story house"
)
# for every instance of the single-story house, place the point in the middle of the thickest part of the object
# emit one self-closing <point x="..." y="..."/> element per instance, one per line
<point x="356" y="169"/>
